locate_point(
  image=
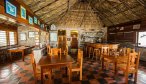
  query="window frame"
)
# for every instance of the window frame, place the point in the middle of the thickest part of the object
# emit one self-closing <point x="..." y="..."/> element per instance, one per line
<point x="8" y="37"/>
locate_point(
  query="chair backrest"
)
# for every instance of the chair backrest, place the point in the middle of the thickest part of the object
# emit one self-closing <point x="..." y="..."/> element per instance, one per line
<point x="90" y="49"/>
<point x="113" y="47"/>
<point x="48" y="49"/>
<point x="66" y="50"/>
<point x="105" y="50"/>
<point x="33" y="64"/>
<point x="133" y="61"/>
<point x="126" y="51"/>
<point x="80" y="58"/>
<point x="97" y="46"/>
<point x="56" y="51"/>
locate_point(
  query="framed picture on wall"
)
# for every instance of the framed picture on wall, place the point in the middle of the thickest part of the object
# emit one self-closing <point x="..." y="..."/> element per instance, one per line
<point x="53" y="36"/>
<point x="11" y="9"/>
<point x="23" y="36"/>
<point x="23" y="12"/>
<point x="30" y="20"/>
<point x="36" y="33"/>
<point x="31" y="34"/>
<point x="35" y="20"/>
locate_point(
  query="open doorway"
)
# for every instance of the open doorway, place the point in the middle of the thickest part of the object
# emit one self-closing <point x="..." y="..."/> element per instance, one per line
<point x="74" y="39"/>
<point x="62" y="41"/>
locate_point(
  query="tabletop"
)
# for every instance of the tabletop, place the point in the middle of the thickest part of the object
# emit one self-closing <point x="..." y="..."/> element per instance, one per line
<point x="21" y="47"/>
<point x="52" y="60"/>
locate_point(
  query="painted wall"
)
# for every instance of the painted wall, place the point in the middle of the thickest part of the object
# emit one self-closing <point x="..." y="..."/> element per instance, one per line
<point x="43" y="36"/>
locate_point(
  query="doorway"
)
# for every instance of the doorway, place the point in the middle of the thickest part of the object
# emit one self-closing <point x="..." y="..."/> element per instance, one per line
<point x="74" y="39"/>
<point x="62" y="41"/>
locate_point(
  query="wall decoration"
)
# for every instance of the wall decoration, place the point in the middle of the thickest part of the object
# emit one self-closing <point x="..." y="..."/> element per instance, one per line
<point x="22" y="36"/>
<point x="137" y="26"/>
<point x="68" y="39"/>
<point x="38" y="22"/>
<point x="11" y="9"/>
<point x="23" y="12"/>
<point x="35" y="20"/>
<point x="30" y="20"/>
<point x="53" y="27"/>
<point x="42" y="25"/>
<point x="53" y="36"/>
<point x="142" y="39"/>
<point x="31" y="34"/>
<point x="36" y="33"/>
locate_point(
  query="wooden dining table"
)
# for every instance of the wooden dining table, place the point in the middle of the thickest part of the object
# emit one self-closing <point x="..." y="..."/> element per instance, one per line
<point x="56" y="61"/>
<point x="16" y="50"/>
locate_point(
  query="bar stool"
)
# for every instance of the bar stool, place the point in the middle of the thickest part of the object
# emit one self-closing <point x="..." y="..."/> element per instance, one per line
<point x="90" y="51"/>
<point x="96" y="51"/>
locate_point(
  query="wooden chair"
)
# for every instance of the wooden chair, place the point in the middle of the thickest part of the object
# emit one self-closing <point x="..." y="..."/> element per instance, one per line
<point x="113" y="48"/>
<point x="96" y="51"/>
<point x="37" y="70"/>
<point x="56" y="51"/>
<point x="104" y="51"/>
<point x="78" y="67"/>
<point x="90" y="51"/>
<point x="66" y="50"/>
<point x="48" y="49"/>
<point x="131" y="66"/>
<point x="79" y="56"/>
<point x="104" y="54"/>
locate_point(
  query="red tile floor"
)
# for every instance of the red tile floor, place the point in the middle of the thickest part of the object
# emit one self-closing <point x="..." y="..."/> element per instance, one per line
<point x="19" y="72"/>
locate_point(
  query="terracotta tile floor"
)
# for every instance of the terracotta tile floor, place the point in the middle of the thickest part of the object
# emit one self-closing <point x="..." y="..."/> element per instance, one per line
<point x="19" y="72"/>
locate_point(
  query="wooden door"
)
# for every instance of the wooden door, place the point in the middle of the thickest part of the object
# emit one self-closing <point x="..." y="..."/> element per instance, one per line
<point x="62" y="40"/>
<point x="74" y="40"/>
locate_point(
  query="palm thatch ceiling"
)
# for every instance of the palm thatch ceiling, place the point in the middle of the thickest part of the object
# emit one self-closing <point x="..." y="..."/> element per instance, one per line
<point x="110" y="12"/>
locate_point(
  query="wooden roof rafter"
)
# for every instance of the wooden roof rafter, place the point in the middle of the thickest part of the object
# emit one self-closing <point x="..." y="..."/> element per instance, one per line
<point x="130" y="9"/>
<point x="45" y="6"/>
<point x="63" y="15"/>
<point x="55" y="15"/>
<point x="69" y="14"/>
<point x="42" y="15"/>
<point x="84" y="14"/>
<point x="124" y="14"/>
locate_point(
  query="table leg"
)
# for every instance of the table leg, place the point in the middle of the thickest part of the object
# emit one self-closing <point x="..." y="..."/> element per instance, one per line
<point x="41" y="75"/>
<point x="102" y="63"/>
<point x="115" y="68"/>
<point x="70" y="72"/>
<point x="10" y="56"/>
<point x="22" y="55"/>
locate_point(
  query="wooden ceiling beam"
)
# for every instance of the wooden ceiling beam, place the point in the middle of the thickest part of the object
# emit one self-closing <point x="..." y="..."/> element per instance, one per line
<point x="56" y="15"/>
<point x="35" y="4"/>
<point x="125" y="15"/>
<point x="45" y="6"/>
<point x="42" y="15"/>
<point x="142" y="2"/>
<point x="67" y="9"/>
<point x="103" y="15"/>
<point x="100" y="14"/>
<point x="126" y="5"/>
<point x="54" y="19"/>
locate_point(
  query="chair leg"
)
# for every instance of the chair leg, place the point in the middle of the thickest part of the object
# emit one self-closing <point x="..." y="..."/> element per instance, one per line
<point x="93" y="55"/>
<point x="135" y="77"/>
<point x="50" y="77"/>
<point x="126" y="78"/>
<point x="80" y="74"/>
